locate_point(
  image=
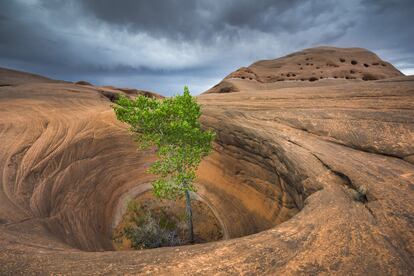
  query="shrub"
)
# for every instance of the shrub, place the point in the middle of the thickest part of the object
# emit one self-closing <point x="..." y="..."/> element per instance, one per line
<point x="149" y="231"/>
<point x="361" y="194"/>
<point x="151" y="234"/>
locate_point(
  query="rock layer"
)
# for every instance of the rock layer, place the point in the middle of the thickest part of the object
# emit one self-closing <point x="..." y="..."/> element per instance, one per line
<point x="327" y="169"/>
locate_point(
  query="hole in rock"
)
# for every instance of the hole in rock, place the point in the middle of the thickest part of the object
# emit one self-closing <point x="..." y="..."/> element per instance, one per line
<point x="149" y="222"/>
<point x="368" y="77"/>
<point x="235" y="198"/>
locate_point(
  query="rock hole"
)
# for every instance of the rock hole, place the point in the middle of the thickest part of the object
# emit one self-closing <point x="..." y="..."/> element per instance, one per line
<point x="150" y="223"/>
<point x="368" y="77"/>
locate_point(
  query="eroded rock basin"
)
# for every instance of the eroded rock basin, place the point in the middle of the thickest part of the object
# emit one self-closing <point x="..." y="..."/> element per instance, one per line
<point x="167" y="222"/>
<point x="289" y="160"/>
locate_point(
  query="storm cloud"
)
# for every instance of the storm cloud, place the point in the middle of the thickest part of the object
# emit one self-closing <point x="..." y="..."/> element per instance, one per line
<point x="163" y="45"/>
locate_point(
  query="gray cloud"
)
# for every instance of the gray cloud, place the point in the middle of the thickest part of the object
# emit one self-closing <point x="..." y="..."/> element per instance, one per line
<point x="161" y="45"/>
<point x="191" y="19"/>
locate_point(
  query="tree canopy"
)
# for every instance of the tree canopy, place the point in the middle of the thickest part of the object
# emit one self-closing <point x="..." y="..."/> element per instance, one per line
<point x="172" y="126"/>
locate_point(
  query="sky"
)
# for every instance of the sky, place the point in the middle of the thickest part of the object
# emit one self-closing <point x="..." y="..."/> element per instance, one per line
<point x="162" y="45"/>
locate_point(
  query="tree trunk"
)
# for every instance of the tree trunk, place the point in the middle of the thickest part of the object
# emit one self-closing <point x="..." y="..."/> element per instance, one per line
<point x="189" y="216"/>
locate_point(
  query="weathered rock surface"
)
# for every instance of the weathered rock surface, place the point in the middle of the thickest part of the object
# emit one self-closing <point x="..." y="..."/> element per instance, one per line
<point x="309" y="65"/>
<point x="328" y="169"/>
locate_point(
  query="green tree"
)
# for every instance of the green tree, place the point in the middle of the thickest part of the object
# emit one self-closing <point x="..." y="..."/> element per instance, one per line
<point x="172" y="126"/>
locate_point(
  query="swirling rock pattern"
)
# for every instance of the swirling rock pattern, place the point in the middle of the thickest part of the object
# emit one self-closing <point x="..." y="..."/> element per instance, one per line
<point x="324" y="175"/>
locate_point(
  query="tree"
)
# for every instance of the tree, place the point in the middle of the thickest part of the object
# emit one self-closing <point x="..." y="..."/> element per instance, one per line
<point x="172" y="126"/>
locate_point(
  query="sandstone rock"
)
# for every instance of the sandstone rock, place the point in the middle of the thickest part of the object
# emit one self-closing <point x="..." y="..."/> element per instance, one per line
<point x="9" y="77"/>
<point x="320" y="172"/>
<point x="311" y="65"/>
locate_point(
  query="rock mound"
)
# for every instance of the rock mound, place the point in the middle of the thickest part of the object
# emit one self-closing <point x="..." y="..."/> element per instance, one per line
<point x="82" y="82"/>
<point x="312" y="65"/>
<point x="10" y="77"/>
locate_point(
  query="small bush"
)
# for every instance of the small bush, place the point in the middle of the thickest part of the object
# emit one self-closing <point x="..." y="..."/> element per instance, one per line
<point x="361" y="194"/>
<point x="147" y="230"/>
<point x="151" y="234"/>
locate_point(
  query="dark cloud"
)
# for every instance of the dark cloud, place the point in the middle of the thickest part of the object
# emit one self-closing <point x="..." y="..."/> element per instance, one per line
<point x="161" y="45"/>
<point x="190" y="19"/>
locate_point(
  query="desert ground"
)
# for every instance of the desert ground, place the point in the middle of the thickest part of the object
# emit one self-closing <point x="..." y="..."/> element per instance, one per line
<point x="312" y="172"/>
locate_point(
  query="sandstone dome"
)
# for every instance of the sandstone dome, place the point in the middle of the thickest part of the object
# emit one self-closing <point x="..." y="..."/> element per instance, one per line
<point x="314" y="64"/>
